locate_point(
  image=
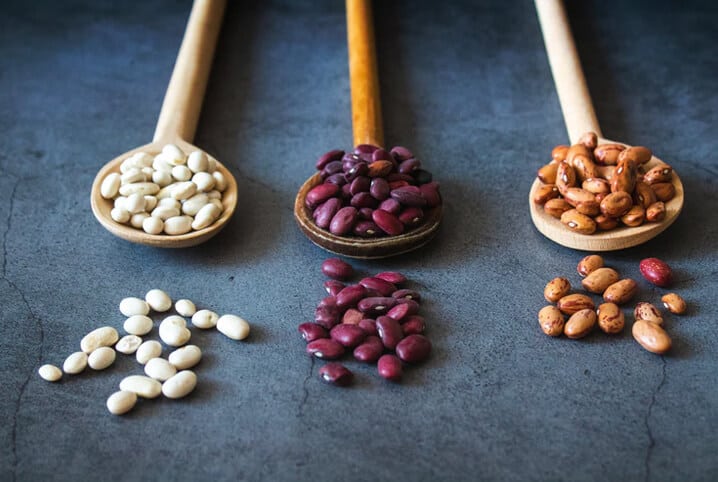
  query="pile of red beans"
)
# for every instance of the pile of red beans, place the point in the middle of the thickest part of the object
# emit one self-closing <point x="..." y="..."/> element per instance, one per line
<point x="375" y="318"/>
<point x="371" y="192"/>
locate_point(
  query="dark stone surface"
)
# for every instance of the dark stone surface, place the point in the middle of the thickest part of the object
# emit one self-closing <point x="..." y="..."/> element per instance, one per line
<point x="467" y="86"/>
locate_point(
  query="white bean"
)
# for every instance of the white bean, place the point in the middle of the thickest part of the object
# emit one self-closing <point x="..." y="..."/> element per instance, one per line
<point x="158" y="300"/>
<point x="233" y="327"/>
<point x="120" y="202"/>
<point x="165" y="212"/>
<point x="75" y="363"/>
<point x="212" y="165"/>
<point x="150" y="203"/>
<point x="134" y="306"/>
<point x="173" y="154"/>
<point x="148" y="171"/>
<point x="147" y="351"/>
<point x="133" y="175"/>
<point x="143" y="188"/>
<point x="51" y="373"/>
<point x="178" y="225"/>
<point x="162" y="178"/>
<point x="138" y="325"/>
<point x="192" y="205"/>
<point x="110" y="185"/>
<point x="183" y="190"/>
<point x="181" y="173"/>
<point x="217" y="203"/>
<point x="160" y="369"/>
<point x="185" y="357"/>
<point x="214" y="194"/>
<point x="206" y="216"/>
<point x="205" y="319"/>
<point x="128" y="344"/>
<point x="103" y="336"/>
<point x="204" y="181"/>
<point x="142" y="159"/>
<point x="127" y="164"/>
<point x="197" y="161"/>
<point x="159" y="164"/>
<point x="121" y="402"/>
<point x="120" y="215"/>
<point x="180" y="385"/>
<point x="153" y="225"/>
<point x="185" y="308"/>
<point x="101" y="358"/>
<point x="143" y="386"/>
<point x="135" y="203"/>
<point x="220" y="182"/>
<point x="173" y="331"/>
<point x="137" y="220"/>
<point x="164" y="193"/>
<point x="170" y="202"/>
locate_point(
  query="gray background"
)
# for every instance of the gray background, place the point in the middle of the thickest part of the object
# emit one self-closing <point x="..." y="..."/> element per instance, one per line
<point x="467" y="86"/>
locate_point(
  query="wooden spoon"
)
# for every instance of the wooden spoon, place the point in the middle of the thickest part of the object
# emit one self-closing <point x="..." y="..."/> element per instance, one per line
<point x="177" y="125"/>
<point x="367" y="127"/>
<point x="580" y="117"/>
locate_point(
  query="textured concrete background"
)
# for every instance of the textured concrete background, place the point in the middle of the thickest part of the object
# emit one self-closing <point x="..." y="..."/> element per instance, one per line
<point x="467" y="86"/>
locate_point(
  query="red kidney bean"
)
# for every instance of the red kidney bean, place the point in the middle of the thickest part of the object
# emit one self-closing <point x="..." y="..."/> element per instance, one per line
<point x="397" y="184"/>
<point x="384" y="288"/>
<point x="414" y="318"/>
<point x="387" y="222"/>
<point x="409" y="196"/>
<point x="369" y="326"/>
<point x="339" y="179"/>
<point x="348" y="335"/>
<point x="389" y="367"/>
<point x="349" y="162"/>
<point x="346" y="194"/>
<point x="402" y="310"/>
<point x="422" y="176"/>
<point x="350" y="296"/>
<point x="325" y="212"/>
<point x="320" y="193"/>
<point x="366" y="229"/>
<point x="365" y="149"/>
<point x="360" y="169"/>
<point x="381" y="154"/>
<point x="414" y="348"/>
<point x="406" y="295"/>
<point x="409" y="165"/>
<point x="411" y="216"/>
<point x="325" y="348"/>
<point x="430" y="192"/>
<point x="391" y="206"/>
<point x="392" y="277"/>
<point x="401" y="153"/>
<point x="333" y="167"/>
<point x="370" y="350"/>
<point x="397" y="176"/>
<point x="379" y="188"/>
<point x="327" y="316"/>
<point x="360" y="184"/>
<point x="365" y="213"/>
<point x="333" y="287"/>
<point x="413" y="325"/>
<point x="352" y="316"/>
<point x="328" y="157"/>
<point x="343" y="221"/>
<point x="376" y="305"/>
<point x="364" y="200"/>
<point x="312" y="331"/>
<point x="366" y="157"/>
<point x="337" y="269"/>
<point x="336" y="374"/>
<point x="389" y="331"/>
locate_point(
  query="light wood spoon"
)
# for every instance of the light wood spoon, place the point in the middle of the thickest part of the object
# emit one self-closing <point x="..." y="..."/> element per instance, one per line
<point x="580" y="117"/>
<point x="177" y="125"/>
<point x="367" y="129"/>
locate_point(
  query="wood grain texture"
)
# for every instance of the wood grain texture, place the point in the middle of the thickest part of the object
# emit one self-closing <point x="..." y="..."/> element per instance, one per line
<point x="363" y="74"/>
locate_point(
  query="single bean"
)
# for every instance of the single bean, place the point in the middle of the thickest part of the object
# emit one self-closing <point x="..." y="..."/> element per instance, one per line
<point x="589" y="264"/>
<point x="390" y="205"/>
<point x="104" y="336"/>
<point x="547" y="173"/>
<point x="148" y="350"/>
<point x="406" y="294"/>
<point x="580" y="323"/>
<point x="381" y="154"/>
<point x="380" y="168"/>
<point x="635" y="216"/>
<point x="643" y="195"/>
<point x="141" y="385"/>
<point x="658" y="174"/>
<point x="325" y="348"/>
<point x="160" y="369"/>
<point x="328" y="157"/>
<point x="121" y="402"/>
<point x="656" y="212"/>
<point x="414" y="349"/>
<point x="185" y="357"/>
<point x="343" y="221"/>
<point x="558" y="153"/>
<point x="544" y="193"/>
<point x="333" y="287"/>
<point x="610" y="318"/>
<point x="389" y="367"/>
<point x="383" y="287"/>
<point x="389" y="331"/>
<point x="556" y="289"/>
<point x="674" y="303"/>
<point x="600" y="279"/>
<point x="134" y="306"/>
<point x="565" y="177"/>
<point x="173" y="331"/>
<point x="637" y="154"/>
<point x="607" y="154"/>
<point x="647" y="312"/>
<point x="360" y="184"/>
<point x="138" y="325"/>
<point x="350" y="296"/>
<point x="158" y="300"/>
<point x="621" y="291"/>
<point x="205" y="319"/>
<point x="180" y="385"/>
<point x="401" y="153"/>
<point x="177" y="225"/>
<point x="406" y="167"/>
<point x="665" y="191"/>
<point x="337" y="269"/>
<point x="128" y="344"/>
<point x="336" y="374"/>
<point x="596" y="185"/>
<point x="360" y="169"/>
<point x="624" y="176"/>
<point x="409" y="196"/>
<point x="413" y="325"/>
<point x="411" y="216"/>
<point x="363" y="200"/>
<point x="551" y="321"/>
<point x="589" y="139"/>
<point x="556" y="207"/>
<point x="320" y="194"/>
<point x="312" y="331"/>
<point x="430" y="192"/>
<point x="51" y="373"/>
<point x="352" y="316"/>
<point x="101" y="358"/>
<point x="572" y="303"/>
<point x="388" y="223"/>
<point x="366" y="229"/>
<point x="368" y="325"/>
<point x="376" y="305"/>
<point x="577" y="222"/>
<point x="656" y="271"/>
<point x="233" y="327"/>
<point x="379" y="188"/>
<point x="605" y="223"/>
<point x="402" y="310"/>
<point x="651" y="337"/>
<point x="392" y="277"/>
<point x="347" y="335"/>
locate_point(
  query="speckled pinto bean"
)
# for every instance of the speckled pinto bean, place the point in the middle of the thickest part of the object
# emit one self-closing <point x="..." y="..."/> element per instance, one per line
<point x="621" y="291"/>
<point x="370" y="350"/>
<point x="312" y="331"/>
<point x="572" y="303"/>
<point x="556" y="289"/>
<point x="325" y="348"/>
<point x="389" y="368"/>
<point x="336" y="374"/>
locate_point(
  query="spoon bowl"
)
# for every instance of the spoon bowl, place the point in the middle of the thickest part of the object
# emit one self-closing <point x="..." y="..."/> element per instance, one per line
<point x="101" y="207"/>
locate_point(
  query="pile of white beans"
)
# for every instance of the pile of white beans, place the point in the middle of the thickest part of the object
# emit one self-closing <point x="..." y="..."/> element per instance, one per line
<point x="170" y="377"/>
<point x="170" y="193"/>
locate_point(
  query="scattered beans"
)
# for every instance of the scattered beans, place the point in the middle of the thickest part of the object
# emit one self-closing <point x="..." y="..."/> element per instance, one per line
<point x="148" y="350"/>
<point x="336" y="374"/>
<point x="656" y="271"/>
<point x="233" y="327"/>
<point x="128" y="344"/>
<point x="674" y="303"/>
<point x="647" y="312"/>
<point x="138" y="325"/>
<point x="621" y="291"/>
<point x="50" y="373"/>
<point x="556" y="289"/>
<point x="589" y="264"/>
<point x="134" y="306"/>
<point x="337" y="269"/>
<point x="143" y="386"/>
<point x="185" y="357"/>
<point x="580" y="323"/>
<point x="389" y="367"/>
<point x="75" y="363"/>
<point x="185" y="308"/>
<point x="414" y="348"/>
<point x="610" y="318"/>
<point x="651" y="337"/>
<point x="101" y="358"/>
<point x="121" y="402"/>
<point x="105" y="336"/>
<point x="158" y="300"/>
<point x="551" y="321"/>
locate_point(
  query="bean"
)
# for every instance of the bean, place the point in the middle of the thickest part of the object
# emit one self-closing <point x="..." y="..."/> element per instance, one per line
<point x="75" y="363"/>
<point x="110" y="185"/>
<point x="544" y="193"/>
<point x="379" y="188"/>
<point x="325" y="348"/>
<point x="159" y="369"/>
<point x="173" y="331"/>
<point x="134" y="306"/>
<point x="143" y="188"/>
<point x="547" y="173"/>
<point x="352" y="316"/>
<point x="360" y="184"/>
<point x="337" y="269"/>
<point x="405" y="294"/>
<point x="138" y="325"/>
<point x="584" y="201"/>
<point x="383" y="287"/>
<point x="651" y="337"/>
<point x="401" y="153"/>
<point x="674" y="303"/>
<point x="589" y="139"/>
<point x="366" y="229"/>
<point x="656" y="212"/>
<point x="128" y="344"/>
<point x="185" y="307"/>
<point x="589" y="264"/>
<point x="180" y="385"/>
<point x="327" y="313"/>
<point x="376" y="305"/>
<point x="637" y="154"/>
<point x="390" y="205"/>
<point x="605" y="223"/>
<point x="392" y="277"/>
<point x="333" y="287"/>
<point x="336" y="374"/>
<point x="363" y="200"/>
<point x="577" y="222"/>
<point x="565" y="177"/>
<point x="101" y="358"/>
<point x="414" y="348"/>
<point x="233" y="327"/>
<point x="635" y="216"/>
<point x="551" y="321"/>
<point x="409" y="196"/>
<point x="164" y="213"/>
<point x="621" y="291"/>
<point x="388" y="223"/>
<point x="185" y="357"/>
<point x="220" y="182"/>
<point x="389" y="331"/>
<point x="121" y="402"/>
<point x="141" y="385"/>
<point x="558" y="153"/>
<point x="197" y="161"/>
<point x="334" y="167"/>
<point x="368" y="325"/>
<point x="580" y="323"/>
<point x="570" y="304"/>
<point x="610" y="318"/>
<point x="343" y="221"/>
<point x="406" y="167"/>
<point x="380" y="168"/>
<point x="647" y="312"/>
<point x="104" y="336"/>
<point x="598" y="280"/>
<point x="370" y="350"/>
<point x="328" y="157"/>
<point x="148" y="350"/>
<point x="365" y="149"/>
<point x="389" y="367"/>
<point x="177" y="225"/>
<point x="656" y="271"/>
<point x="158" y="300"/>
<point x="350" y="296"/>
<point x="403" y="310"/>
<point x="413" y="325"/>
<point x="556" y="289"/>
<point x="347" y="335"/>
<point x="430" y="192"/>
<point x="624" y="176"/>
<point x="50" y="373"/>
<point x="312" y="331"/>
<point x="665" y="191"/>
<point x="556" y="207"/>
<point x="205" y="319"/>
<point x="411" y="216"/>
<point x="320" y="194"/>
<point x="596" y="185"/>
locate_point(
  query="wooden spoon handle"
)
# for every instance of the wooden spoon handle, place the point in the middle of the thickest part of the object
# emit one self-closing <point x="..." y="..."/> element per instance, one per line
<point x="363" y="74"/>
<point x="578" y="112"/>
<point x="185" y="93"/>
